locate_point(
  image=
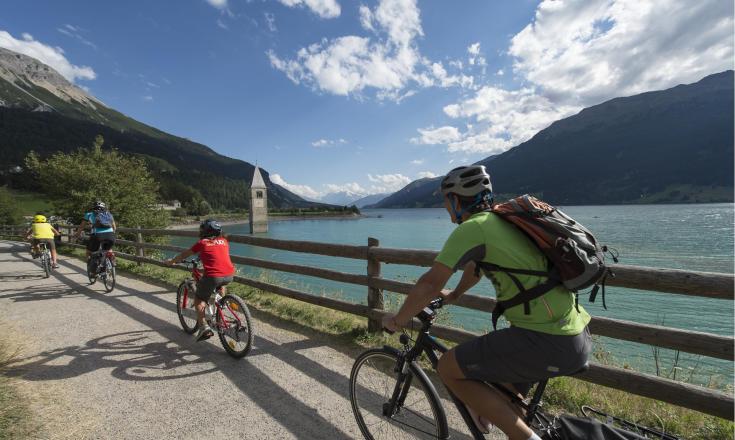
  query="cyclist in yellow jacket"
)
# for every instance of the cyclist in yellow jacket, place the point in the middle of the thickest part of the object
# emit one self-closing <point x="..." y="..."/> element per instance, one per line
<point x="42" y="231"/>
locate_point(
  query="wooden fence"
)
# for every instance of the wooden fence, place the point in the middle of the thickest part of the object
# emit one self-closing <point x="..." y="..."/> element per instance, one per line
<point x="679" y="282"/>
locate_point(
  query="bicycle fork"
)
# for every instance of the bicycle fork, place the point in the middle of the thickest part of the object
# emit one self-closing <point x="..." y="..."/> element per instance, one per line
<point x="400" y="391"/>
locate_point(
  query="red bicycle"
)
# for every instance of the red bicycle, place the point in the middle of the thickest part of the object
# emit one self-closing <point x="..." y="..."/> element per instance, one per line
<point x="226" y="314"/>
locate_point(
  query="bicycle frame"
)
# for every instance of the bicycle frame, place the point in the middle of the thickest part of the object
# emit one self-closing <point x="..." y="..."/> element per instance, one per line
<point x="426" y="343"/>
<point x="196" y="275"/>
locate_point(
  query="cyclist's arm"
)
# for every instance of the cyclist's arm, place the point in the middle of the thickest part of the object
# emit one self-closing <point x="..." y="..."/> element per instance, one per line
<point x="81" y="226"/>
<point x="55" y="231"/>
<point x="182" y="256"/>
<point x="467" y="282"/>
<point x="427" y="288"/>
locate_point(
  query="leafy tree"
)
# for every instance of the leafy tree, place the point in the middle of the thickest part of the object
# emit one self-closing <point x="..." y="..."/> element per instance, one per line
<point x="9" y="212"/>
<point x="75" y="180"/>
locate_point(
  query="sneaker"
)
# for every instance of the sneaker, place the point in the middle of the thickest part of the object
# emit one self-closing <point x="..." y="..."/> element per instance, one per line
<point x="204" y="333"/>
<point x="54" y="266"/>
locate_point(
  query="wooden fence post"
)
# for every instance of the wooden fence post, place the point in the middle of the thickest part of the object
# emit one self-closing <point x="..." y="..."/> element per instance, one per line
<point x="140" y="250"/>
<point x="375" y="295"/>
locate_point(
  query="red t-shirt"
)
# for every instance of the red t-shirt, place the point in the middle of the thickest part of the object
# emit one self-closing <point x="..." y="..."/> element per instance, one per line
<point x="215" y="256"/>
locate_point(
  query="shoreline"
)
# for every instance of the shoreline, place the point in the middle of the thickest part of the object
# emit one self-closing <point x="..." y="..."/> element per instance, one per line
<point x="279" y="218"/>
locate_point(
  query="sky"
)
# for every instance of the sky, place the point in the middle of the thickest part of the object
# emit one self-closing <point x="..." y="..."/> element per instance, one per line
<point x="367" y="96"/>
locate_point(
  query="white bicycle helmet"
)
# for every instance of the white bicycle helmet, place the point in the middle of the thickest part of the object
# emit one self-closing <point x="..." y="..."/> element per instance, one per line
<point x="466" y="181"/>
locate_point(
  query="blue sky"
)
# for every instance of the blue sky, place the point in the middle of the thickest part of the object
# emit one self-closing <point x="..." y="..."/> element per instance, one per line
<point x="366" y="96"/>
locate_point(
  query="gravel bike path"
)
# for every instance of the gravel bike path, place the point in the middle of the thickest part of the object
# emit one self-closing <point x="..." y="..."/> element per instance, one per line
<point x="132" y="373"/>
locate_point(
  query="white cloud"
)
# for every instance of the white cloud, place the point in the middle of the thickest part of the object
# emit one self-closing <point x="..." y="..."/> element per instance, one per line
<point x="322" y="8"/>
<point x="148" y="98"/>
<point x="53" y="56"/>
<point x="387" y="182"/>
<point x="474" y="49"/>
<point x="270" y="20"/>
<point x="352" y="187"/>
<point x="387" y="61"/>
<point x="219" y="4"/>
<point x="302" y="190"/>
<point x="75" y="32"/>
<point x="324" y="143"/>
<point x="434" y="136"/>
<point x="590" y="51"/>
<point x="583" y="52"/>
<point x="417" y="161"/>
<point x="425" y="174"/>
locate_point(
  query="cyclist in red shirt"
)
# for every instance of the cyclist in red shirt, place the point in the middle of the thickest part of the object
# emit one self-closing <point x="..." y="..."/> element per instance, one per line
<point x="214" y="252"/>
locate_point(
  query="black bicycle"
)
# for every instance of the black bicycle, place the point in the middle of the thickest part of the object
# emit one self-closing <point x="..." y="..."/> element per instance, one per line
<point x="102" y="264"/>
<point x="392" y="397"/>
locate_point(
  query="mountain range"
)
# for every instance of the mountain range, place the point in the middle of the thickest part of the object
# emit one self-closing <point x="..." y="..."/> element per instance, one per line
<point x="669" y="146"/>
<point x="40" y="110"/>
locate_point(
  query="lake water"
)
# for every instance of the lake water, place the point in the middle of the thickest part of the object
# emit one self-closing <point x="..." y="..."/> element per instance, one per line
<point x="690" y="237"/>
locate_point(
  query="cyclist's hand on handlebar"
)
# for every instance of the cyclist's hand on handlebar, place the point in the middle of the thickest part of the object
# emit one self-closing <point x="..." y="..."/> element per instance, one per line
<point x="449" y="297"/>
<point x="389" y="324"/>
<point x="169" y="262"/>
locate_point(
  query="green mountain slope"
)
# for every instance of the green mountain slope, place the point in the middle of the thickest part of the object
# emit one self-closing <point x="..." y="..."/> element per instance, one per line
<point x="41" y="111"/>
<point x="670" y="146"/>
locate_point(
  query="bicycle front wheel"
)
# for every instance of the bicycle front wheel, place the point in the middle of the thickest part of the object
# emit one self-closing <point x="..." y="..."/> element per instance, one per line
<point x="185" y="307"/>
<point x="236" y="331"/>
<point x="374" y="382"/>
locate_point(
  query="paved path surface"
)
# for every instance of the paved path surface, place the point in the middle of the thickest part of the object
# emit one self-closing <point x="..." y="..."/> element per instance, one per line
<point x="132" y="373"/>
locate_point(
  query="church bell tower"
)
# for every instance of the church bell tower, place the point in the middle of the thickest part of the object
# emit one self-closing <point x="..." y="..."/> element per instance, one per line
<point x="258" y="204"/>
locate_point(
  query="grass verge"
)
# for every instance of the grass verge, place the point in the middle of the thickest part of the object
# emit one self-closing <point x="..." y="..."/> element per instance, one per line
<point x="563" y="394"/>
<point x="16" y="420"/>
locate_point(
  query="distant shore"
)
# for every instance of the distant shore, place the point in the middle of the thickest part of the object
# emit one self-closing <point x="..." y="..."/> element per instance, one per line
<point x="272" y="218"/>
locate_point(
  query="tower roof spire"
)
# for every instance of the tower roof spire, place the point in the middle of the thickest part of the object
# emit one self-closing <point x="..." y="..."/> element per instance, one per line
<point x="257" y="179"/>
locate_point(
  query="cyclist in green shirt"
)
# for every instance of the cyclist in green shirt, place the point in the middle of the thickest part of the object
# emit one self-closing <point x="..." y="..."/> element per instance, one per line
<point x="552" y="340"/>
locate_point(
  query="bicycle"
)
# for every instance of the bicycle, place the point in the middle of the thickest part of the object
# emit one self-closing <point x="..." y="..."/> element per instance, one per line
<point x="226" y="314"/>
<point x="45" y="258"/>
<point x="102" y="264"/>
<point x="383" y="379"/>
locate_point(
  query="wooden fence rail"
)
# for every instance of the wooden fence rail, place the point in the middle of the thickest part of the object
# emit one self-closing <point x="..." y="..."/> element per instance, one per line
<point x="703" y="284"/>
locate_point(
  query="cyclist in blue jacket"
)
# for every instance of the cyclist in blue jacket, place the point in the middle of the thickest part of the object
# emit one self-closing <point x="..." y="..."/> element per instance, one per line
<point x="103" y="227"/>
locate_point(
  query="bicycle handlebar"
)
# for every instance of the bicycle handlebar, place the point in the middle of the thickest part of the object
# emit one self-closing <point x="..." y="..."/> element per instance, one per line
<point x="427" y="314"/>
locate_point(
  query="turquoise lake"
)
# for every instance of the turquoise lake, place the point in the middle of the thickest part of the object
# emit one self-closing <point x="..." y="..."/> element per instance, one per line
<point x="689" y="237"/>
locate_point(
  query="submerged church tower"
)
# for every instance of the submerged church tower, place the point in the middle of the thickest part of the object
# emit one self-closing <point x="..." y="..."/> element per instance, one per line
<point x="258" y="204"/>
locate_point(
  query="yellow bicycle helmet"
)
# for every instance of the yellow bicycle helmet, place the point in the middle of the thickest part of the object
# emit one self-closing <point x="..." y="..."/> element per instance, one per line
<point x="38" y="218"/>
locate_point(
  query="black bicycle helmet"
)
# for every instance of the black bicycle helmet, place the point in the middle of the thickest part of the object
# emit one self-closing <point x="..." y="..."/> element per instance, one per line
<point x="209" y="228"/>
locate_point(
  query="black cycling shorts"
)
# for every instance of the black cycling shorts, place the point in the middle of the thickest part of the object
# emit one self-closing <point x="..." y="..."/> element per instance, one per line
<point x="207" y="285"/>
<point x="104" y="239"/>
<point x="49" y="242"/>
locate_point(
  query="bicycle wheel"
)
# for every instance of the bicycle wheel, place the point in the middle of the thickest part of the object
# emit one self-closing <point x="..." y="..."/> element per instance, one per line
<point x="185" y="307"/>
<point x="373" y="381"/>
<point x="237" y="338"/>
<point x="46" y="263"/>
<point x="108" y="276"/>
<point x="92" y="269"/>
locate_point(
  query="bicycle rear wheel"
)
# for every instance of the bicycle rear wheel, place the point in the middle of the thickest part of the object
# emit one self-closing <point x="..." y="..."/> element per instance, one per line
<point x="237" y="338"/>
<point x="92" y="269"/>
<point x="185" y="307"/>
<point x="108" y="276"/>
<point x="46" y="263"/>
<point x="373" y="383"/>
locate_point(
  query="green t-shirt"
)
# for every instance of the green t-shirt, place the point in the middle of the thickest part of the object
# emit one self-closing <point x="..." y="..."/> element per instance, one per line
<point x="487" y="237"/>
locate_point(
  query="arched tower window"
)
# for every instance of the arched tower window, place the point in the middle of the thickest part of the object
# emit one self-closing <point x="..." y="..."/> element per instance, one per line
<point x="259" y="194"/>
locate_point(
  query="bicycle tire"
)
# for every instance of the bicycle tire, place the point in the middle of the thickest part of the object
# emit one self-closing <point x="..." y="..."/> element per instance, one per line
<point x="109" y="278"/>
<point x="186" y="325"/>
<point x="243" y="329"/>
<point x="92" y="269"/>
<point x="423" y="418"/>
<point x="46" y="263"/>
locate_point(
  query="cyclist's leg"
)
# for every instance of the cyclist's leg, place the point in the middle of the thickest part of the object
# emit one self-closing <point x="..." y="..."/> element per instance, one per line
<point x="52" y="246"/>
<point x="483" y="399"/>
<point x="205" y="289"/>
<point x="34" y="246"/>
<point x="509" y="356"/>
<point x="93" y="244"/>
